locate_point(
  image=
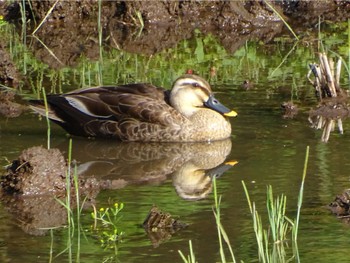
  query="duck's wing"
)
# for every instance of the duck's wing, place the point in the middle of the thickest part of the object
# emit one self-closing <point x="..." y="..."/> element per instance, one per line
<point x="143" y="102"/>
<point x="121" y="111"/>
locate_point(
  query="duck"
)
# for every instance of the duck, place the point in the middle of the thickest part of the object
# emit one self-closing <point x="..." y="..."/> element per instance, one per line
<point x="188" y="112"/>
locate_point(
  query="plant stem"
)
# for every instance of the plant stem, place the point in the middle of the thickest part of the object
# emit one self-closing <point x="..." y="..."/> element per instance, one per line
<point x="47" y="119"/>
<point x="300" y="198"/>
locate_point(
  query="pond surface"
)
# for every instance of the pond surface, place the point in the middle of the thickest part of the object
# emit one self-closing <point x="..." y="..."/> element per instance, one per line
<point x="270" y="150"/>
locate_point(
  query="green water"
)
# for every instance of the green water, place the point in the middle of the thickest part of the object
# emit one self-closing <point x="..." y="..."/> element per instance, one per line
<point x="269" y="148"/>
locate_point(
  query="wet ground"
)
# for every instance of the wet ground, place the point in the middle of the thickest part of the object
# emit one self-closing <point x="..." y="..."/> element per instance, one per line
<point x="268" y="143"/>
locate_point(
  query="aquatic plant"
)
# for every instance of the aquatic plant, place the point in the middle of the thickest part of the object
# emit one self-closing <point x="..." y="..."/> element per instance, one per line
<point x="47" y="119"/>
<point x="106" y="224"/>
<point x="279" y="223"/>
<point x="2" y="21"/>
<point x="222" y="235"/>
<point x="67" y="202"/>
<point x="191" y="257"/>
<point x="221" y="231"/>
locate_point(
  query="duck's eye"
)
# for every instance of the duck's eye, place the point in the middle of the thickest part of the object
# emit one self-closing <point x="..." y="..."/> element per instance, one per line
<point x="195" y="85"/>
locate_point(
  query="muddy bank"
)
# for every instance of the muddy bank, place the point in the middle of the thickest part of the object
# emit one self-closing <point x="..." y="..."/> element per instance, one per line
<point x="33" y="183"/>
<point x="9" y="74"/>
<point x="8" y="106"/>
<point x="72" y="29"/>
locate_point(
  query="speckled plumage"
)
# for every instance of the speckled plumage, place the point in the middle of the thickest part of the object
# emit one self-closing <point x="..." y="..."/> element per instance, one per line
<point x="140" y="112"/>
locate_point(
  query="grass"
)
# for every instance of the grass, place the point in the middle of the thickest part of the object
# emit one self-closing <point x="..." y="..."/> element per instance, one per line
<point x="282" y="18"/>
<point x="221" y="231"/>
<point x="191" y="257"/>
<point x="67" y="203"/>
<point x="106" y="224"/>
<point x="105" y="227"/>
<point x="271" y="241"/>
<point x="48" y="13"/>
<point x="300" y="197"/>
<point x="202" y="54"/>
<point x="47" y="120"/>
<point x="222" y="236"/>
<point x="279" y="224"/>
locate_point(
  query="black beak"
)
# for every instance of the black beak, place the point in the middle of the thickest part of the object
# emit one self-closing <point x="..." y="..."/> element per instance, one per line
<point x="214" y="104"/>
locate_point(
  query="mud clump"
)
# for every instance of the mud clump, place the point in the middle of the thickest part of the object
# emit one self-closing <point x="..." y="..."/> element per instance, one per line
<point x="33" y="183"/>
<point x="290" y="110"/>
<point x="9" y="108"/>
<point x="332" y="108"/>
<point x="341" y="204"/>
<point x="160" y="226"/>
<point x="40" y="171"/>
<point x="9" y="75"/>
<point x="36" y="171"/>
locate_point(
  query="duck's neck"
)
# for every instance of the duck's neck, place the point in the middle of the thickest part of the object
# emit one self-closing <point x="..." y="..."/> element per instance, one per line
<point x="183" y="103"/>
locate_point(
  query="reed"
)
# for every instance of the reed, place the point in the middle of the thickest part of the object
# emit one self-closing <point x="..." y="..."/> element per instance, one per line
<point x="327" y="77"/>
<point x="279" y="223"/>
<point x="278" y="226"/>
<point x="191" y="257"/>
<point x="45" y="17"/>
<point x="67" y="203"/>
<point x="300" y="197"/>
<point x="282" y="18"/>
<point x="221" y="231"/>
<point x="222" y="235"/>
<point x="47" y="119"/>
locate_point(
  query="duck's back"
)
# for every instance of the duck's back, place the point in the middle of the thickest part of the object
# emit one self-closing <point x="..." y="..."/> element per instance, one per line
<point x="133" y="112"/>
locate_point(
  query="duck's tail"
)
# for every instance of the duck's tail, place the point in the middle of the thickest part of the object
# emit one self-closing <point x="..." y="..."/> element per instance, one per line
<point x="38" y="106"/>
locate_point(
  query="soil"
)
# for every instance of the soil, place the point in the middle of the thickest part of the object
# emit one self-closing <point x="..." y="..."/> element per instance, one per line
<point x="71" y="30"/>
<point x="341" y="206"/>
<point x="331" y="109"/>
<point x="290" y="110"/>
<point x="32" y="185"/>
<point x="160" y="226"/>
<point x="8" y="107"/>
<point x="9" y="75"/>
<point x="35" y="173"/>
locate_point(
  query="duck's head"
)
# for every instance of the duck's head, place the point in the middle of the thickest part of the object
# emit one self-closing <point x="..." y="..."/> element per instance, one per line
<point x="190" y="93"/>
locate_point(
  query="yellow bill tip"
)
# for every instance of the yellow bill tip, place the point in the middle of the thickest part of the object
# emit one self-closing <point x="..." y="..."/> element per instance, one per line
<point x="231" y="114"/>
<point x="231" y="163"/>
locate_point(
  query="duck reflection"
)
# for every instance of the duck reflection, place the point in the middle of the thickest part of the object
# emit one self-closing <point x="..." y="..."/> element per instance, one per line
<point x="192" y="166"/>
<point x="327" y="117"/>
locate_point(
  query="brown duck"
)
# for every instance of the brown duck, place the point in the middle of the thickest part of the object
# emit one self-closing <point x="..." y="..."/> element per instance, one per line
<point x="142" y="112"/>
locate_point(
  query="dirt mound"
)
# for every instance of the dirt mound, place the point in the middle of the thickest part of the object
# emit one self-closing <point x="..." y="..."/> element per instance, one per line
<point x="9" y="74"/>
<point x="9" y="108"/>
<point x="37" y="171"/>
<point x="341" y="204"/>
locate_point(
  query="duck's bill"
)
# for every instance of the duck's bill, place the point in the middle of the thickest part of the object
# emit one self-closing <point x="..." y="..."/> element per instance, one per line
<point x="216" y="105"/>
<point x="221" y="169"/>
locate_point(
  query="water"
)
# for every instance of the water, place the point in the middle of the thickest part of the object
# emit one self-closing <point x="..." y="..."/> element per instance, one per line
<point x="270" y="150"/>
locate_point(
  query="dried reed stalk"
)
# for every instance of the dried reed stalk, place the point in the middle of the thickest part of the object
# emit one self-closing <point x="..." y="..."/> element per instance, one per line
<point x="327" y="77"/>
